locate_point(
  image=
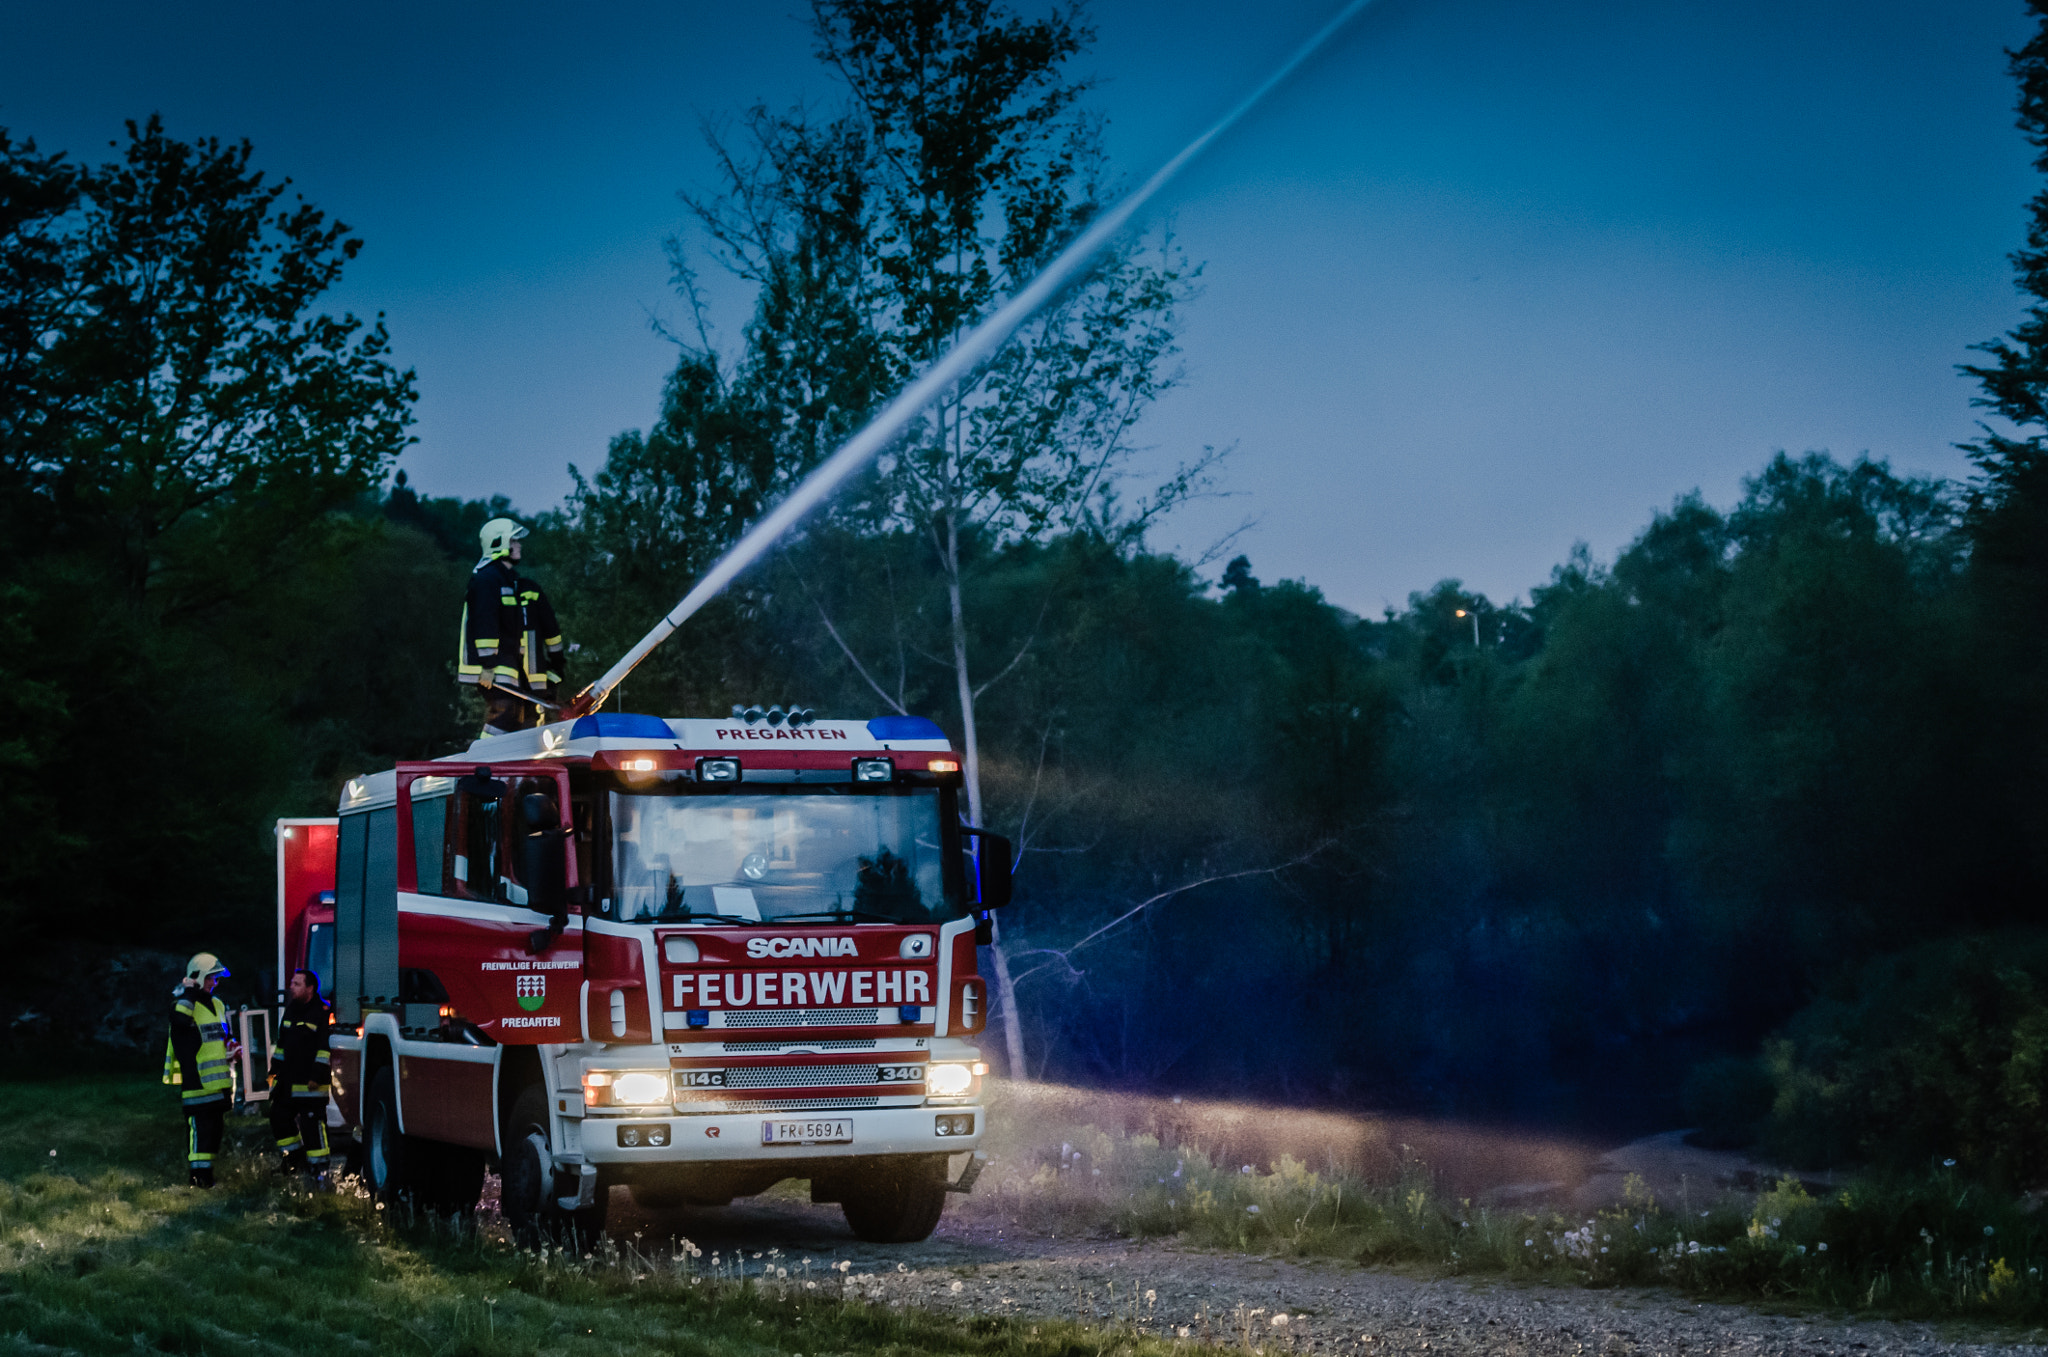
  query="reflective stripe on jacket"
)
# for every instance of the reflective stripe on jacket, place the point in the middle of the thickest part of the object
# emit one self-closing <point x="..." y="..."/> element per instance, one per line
<point x="299" y="1062"/>
<point x="196" y="1055"/>
<point x="508" y="627"/>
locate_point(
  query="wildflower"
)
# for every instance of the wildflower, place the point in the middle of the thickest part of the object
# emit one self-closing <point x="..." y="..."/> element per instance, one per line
<point x="1279" y="1321"/>
<point x="1988" y="1232"/>
<point x="1603" y="1249"/>
<point x="1775" y="1222"/>
<point x="1822" y="1246"/>
<point x="1184" y="1330"/>
<point x="1528" y="1243"/>
<point x="956" y="1287"/>
<point x="53" y="1154"/>
<point x="1246" y="1169"/>
<point x="1948" y="1163"/>
<point x="1151" y="1297"/>
<point x="1800" y="1249"/>
<point x="1251" y="1210"/>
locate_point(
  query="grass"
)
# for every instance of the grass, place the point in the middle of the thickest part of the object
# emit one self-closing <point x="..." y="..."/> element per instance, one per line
<point x="100" y="1252"/>
<point x="1929" y="1247"/>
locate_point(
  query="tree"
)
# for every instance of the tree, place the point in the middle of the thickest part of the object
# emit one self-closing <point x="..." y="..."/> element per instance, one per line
<point x="174" y="405"/>
<point x="186" y="450"/>
<point x="961" y="164"/>
<point x="2008" y="518"/>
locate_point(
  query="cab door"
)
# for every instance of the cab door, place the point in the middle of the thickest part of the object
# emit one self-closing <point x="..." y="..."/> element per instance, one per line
<point x="490" y="920"/>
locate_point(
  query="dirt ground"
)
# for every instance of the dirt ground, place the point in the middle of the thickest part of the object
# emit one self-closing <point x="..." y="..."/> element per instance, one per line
<point x="978" y="1265"/>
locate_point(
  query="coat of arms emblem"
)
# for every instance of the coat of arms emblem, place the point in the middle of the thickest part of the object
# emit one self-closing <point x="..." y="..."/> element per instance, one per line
<point x="532" y="991"/>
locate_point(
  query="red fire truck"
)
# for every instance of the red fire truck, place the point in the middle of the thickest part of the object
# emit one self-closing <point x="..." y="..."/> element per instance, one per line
<point x="688" y="957"/>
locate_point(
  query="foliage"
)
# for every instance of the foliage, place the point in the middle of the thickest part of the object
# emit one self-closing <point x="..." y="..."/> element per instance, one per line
<point x="1928" y="1244"/>
<point x="1939" y="1053"/>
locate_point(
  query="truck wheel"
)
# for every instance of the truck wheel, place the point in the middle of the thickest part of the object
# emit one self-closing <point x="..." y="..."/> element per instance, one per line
<point x="897" y="1204"/>
<point x="527" y="1191"/>
<point x="390" y="1159"/>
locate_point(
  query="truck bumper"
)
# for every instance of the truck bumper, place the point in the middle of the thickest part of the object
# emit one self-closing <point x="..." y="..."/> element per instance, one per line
<point x="732" y="1138"/>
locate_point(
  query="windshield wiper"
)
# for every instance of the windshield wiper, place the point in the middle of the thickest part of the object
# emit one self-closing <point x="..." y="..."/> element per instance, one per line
<point x="668" y="916"/>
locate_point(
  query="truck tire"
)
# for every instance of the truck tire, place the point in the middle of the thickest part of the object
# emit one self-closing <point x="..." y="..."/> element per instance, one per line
<point x="391" y="1160"/>
<point x="527" y="1189"/>
<point x="897" y="1204"/>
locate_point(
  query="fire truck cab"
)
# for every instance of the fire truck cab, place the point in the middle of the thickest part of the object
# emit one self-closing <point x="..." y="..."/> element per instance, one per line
<point x="688" y="957"/>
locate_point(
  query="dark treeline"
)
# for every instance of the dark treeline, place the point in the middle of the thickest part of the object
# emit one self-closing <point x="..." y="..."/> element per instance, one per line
<point x="1745" y="825"/>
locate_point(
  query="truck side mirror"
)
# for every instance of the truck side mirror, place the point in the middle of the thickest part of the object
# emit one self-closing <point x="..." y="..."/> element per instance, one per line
<point x="544" y="867"/>
<point x="993" y="885"/>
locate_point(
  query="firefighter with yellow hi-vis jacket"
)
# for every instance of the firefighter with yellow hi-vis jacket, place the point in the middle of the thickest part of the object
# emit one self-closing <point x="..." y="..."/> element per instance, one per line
<point x="298" y="1077"/>
<point x="511" y="643"/>
<point x="199" y="1060"/>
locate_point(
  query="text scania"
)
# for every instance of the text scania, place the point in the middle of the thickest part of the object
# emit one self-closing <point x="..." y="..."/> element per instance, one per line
<point x="799" y="989"/>
<point x="801" y="947"/>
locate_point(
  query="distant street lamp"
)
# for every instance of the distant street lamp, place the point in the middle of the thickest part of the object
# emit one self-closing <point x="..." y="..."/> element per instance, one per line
<point x="1475" y="626"/>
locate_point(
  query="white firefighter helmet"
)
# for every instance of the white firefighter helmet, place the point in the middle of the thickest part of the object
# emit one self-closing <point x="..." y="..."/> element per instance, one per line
<point x="497" y="537"/>
<point x="203" y="967"/>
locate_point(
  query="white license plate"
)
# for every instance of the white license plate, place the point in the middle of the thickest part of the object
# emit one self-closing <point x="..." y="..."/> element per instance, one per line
<point x="836" y="1131"/>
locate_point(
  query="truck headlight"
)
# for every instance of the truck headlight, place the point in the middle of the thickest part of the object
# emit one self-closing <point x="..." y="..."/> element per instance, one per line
<point x="625" y="1088"/>
<point x="948" y="1081"/>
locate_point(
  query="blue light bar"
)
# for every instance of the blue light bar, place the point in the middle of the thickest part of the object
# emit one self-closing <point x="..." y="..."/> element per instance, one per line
<point x="700" y="1017"/>
<point x="911" y="1013"/>
<point x="620" y="725"/>
<point x="904" y="728"/>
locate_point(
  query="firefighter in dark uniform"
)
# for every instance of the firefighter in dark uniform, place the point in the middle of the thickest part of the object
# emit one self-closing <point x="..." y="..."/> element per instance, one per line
<point x="510" y="639"/>
<point x="198" y="1059"/>
<point x="298" y="1078"/>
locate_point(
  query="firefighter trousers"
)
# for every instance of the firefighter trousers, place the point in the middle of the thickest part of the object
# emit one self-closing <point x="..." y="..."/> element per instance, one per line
<point x="504" y="714"/>
<point x="298" y="1126"/>
<point x="203" y="1127"/>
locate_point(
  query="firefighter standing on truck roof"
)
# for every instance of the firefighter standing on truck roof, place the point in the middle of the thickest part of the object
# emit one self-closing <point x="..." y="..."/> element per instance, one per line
<point x="510" y="639"/>
<point x="198" y="1058"/>
<point x="298" y="1078"/>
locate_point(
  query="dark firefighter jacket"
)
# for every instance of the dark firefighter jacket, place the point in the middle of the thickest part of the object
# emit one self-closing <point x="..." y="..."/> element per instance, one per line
<point x="298" y="1062"/>
<point x="196" y="1057"/>
<point x="509" y="626"/>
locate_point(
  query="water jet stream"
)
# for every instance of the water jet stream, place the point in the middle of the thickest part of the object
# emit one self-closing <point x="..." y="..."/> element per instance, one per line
<point x="975" y="347"/>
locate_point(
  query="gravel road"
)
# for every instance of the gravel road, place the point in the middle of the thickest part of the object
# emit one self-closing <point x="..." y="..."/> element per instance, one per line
<point x="979" y="1266"/>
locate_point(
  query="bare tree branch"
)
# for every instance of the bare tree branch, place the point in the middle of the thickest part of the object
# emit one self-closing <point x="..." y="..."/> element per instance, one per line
<point x="1022" y="651"/>
<point x="847" y="650"/>
<point x="1065" y="953"/>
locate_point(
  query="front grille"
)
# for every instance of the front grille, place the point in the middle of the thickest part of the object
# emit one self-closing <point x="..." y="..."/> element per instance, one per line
<point x="800" y="1076"/>
<point x="800" y="1017"/>
<point x="772" y="1047"/>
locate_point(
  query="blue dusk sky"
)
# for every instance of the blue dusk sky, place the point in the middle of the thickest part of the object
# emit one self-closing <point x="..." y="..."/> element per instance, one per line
<point x="1486" y="280"/>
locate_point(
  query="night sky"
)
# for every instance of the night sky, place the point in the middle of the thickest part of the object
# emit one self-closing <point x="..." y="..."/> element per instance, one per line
<point x="1490" y="278"/>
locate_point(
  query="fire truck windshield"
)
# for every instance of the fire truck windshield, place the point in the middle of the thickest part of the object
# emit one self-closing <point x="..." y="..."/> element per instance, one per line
<point x="772" y="854"/>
